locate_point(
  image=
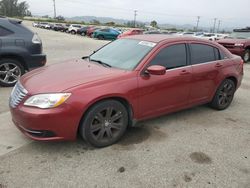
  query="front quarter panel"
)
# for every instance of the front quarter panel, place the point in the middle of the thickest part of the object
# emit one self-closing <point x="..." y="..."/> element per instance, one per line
<point x="83" y="97"/>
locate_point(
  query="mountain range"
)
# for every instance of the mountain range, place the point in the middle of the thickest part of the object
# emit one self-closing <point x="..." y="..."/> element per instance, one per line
<point x="88" y="19"/>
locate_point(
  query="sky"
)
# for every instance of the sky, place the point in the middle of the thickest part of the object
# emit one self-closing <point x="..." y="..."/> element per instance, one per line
<point x="232" y="13"/>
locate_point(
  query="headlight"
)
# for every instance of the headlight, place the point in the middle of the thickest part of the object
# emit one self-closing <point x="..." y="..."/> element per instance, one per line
<point x="239" y="44"/>
<point x="47" y="100"/>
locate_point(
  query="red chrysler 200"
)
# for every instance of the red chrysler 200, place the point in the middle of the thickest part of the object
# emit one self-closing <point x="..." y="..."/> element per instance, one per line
<point x="129" y="80"/>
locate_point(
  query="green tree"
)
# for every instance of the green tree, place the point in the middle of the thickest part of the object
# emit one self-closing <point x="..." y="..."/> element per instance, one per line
<point x="12" y="8"/>
<point x="153" y="24"/>
<point x="110" y="23"/>
<point x="95" y="22"/>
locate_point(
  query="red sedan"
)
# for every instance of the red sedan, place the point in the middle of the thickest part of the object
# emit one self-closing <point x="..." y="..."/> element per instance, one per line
<point x="131" y="32"/>
<point x="128" y="80"/>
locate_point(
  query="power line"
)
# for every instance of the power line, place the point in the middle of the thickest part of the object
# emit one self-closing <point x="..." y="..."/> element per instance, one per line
<point x="198" y="20"/>
<point x="215" y="19"/>
<point x="54" y="2"/>
<point x="218" y="28"/>
<point x="135" y="14"/>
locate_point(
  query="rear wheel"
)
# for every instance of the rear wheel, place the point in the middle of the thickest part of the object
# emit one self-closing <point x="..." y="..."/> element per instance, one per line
<point x="224" y="95"/>
<point x="10" y="71"/>
<point x="100" y="37"/>
<point x="105" y="123"/>
<point x="246" y="56"/>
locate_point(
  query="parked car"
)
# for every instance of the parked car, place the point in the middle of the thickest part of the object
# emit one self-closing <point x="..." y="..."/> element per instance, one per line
<point x="35" y="24"/>
<point x="73" y="28"/>
<point x="152" y="32"/>
<point x="209" y="36"/>
<point x="20" y="51"/>
<point x="45" y="25"/>
<point x="91" y="30"/>
<point x="238" y="43"/>
<point x="83" y="31"/>
<point x="106" y="34"/>
<point x="66" y="30"/>
<point x="129" y="80"/>
<point x="190" y="34"/>
<point x="58" y="27"/>
<point x="131" y="32"/>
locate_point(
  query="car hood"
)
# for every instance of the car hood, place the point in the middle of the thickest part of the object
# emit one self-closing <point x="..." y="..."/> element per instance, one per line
<point x="232" y="41"/>
<point x="62" y="76"/>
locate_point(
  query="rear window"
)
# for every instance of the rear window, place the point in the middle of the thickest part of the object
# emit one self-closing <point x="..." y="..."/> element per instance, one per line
<point x="4" y="31"/>
<point x="202" y="53"/>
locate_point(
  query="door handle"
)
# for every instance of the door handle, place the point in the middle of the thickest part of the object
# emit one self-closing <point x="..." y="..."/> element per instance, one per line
<point x="184" y="72"/>
<point x="218" y="65"/>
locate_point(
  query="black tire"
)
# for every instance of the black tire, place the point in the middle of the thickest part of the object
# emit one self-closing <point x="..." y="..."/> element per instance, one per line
<point x="10" y="72"/>
<point x="100" y="37"/>
<point x="110" y="119"/>
<point x="224" y="95"/>
<point x="73" y="32"/>
<point x="246" y="56"/>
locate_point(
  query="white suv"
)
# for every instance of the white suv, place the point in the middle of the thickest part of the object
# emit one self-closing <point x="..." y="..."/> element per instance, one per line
<point x="73" y="28"/>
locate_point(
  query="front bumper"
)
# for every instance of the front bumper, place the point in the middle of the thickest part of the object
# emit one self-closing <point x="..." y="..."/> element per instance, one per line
<point x="55" y="124"/>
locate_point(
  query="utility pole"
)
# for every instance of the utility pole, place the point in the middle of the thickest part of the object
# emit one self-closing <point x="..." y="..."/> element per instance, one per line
<point x="214" y="24"/>
<point x="198" y="21"/>
<point x="54" y="2"/>
<point x="219" y="24"/>
<point x="135" y="14"/>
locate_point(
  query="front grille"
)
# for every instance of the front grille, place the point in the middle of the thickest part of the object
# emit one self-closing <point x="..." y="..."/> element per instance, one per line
<point x="17" y="95"/>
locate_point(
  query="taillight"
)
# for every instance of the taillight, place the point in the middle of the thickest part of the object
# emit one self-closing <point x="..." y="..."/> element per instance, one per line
<point x="241" y="69"/>
<point x="36" y="39"/>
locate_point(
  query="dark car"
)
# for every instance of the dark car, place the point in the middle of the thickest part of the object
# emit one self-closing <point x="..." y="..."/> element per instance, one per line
<point x="129" y="80"/>
<point x="152" y="32"/>
<point x="238" y="43"/>
<point x="20" y="51"/>
<point x="83" y="31"/>
<point x="91" y="30"/>
<point x="58" y="27"/>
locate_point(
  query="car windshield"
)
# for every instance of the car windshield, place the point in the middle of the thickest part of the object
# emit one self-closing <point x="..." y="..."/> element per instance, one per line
<point x="123" y="53"/>
<point x="239" y="35"/>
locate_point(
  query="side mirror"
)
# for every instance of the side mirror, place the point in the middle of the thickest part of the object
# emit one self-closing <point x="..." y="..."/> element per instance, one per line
<point x="156" y="70"/>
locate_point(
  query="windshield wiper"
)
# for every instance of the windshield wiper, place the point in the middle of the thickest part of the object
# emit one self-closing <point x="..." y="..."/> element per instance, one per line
<point x="100" y="62"/>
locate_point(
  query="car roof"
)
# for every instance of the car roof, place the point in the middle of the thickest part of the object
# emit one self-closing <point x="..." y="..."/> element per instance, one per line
<point x="157" y="38"/>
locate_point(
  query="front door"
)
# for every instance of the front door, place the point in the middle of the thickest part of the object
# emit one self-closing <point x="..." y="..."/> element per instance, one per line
<point x="169" y="92"/>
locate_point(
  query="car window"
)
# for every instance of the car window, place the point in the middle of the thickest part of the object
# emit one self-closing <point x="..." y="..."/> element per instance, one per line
<point x="171" y="57"/>
<point x="105" y="30"/>
<point x="5" y="32"/>
<point x="123" y="53"/>
<point x="202" y="53"/>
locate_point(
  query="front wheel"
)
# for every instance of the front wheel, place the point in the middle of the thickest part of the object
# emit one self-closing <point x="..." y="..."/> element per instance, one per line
<point x="10" y="71"/>
<point x="224" y="95"/>
<point x="105" y="123"/>
<point x="73" y="32"/>
<point x="246" y="56"/>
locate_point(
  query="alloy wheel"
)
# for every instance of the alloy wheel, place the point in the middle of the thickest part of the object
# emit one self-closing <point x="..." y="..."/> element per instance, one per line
<point x="9" y="73"/>
<point x="226" y="94"/>
<point x="107" y="124"/>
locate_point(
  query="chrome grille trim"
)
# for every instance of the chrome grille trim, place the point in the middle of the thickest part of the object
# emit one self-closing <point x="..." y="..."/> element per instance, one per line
<point x="17" y="95"/>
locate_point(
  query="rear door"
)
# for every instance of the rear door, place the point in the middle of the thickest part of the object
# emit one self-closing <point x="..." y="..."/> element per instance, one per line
<point x="169" y="92"/>
<point x="206" y="68"/>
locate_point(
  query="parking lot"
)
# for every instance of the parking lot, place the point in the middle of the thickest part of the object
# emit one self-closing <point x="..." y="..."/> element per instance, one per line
<point x="198" y="147"/>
